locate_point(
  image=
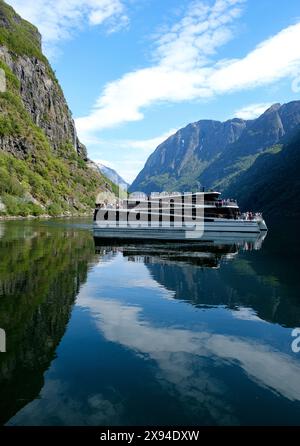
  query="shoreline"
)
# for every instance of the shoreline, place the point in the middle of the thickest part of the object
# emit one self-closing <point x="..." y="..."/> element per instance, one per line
<point x="41" y="217"/>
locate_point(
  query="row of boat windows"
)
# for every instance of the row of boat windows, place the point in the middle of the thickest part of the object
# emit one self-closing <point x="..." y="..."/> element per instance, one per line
<point x="160" y="202"/>
<point x="208" y="213"/>
<point x="150" y="216"/>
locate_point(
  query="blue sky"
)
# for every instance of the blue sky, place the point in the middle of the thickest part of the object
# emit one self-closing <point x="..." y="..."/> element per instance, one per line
<point x="135" y="71"/>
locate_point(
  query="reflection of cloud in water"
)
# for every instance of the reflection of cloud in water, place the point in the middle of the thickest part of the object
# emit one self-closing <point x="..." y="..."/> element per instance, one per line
<point x="55" y="407"/>
<point x="246" y="314"/>
<point x="267" y="367"/>
<point x="143" y="282"/>
<point x="175" y="350"/>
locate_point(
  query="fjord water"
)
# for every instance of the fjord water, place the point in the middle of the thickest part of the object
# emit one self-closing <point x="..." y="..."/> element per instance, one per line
<point x="139" y="335"/>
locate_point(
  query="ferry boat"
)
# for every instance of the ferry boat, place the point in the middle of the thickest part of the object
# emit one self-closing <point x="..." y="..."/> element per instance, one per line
<point x="174" y="216"/>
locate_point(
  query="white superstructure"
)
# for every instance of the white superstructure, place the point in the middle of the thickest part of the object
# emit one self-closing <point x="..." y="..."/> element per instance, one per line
<point x="176" y="216"/>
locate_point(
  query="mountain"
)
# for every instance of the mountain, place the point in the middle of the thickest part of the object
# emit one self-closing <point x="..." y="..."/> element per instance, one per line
<point x="272" y="183"/>
<point x="112" y="175"/>
<point x="43" y="165"/>
<point x="215" y="154"/>
<point x="179" y="161"/>
<point x="276" y="126"/>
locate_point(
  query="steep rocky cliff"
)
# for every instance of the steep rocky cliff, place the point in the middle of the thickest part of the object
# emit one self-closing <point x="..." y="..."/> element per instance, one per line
<point x="214" y="154"/>
<point x="274" y="127"/>
<point x="44" y="100"/>
<point x="180" y="160"/>
<point x="43" y="165"/>
<point x="272" y="183"/>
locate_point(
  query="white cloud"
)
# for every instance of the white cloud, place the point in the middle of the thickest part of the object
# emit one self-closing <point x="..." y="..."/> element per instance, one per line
<point x="179" y="71"/>
<point x="272" y="60"/>
<point x="58" y="20"/>
<point x="184" y="67"/>
<point x="252" y="111"/>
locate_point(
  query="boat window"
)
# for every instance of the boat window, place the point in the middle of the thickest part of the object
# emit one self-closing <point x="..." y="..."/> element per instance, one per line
<point x="172" y="211"/>
<point x="95" y="214"/>
<point x="160" y="210"/>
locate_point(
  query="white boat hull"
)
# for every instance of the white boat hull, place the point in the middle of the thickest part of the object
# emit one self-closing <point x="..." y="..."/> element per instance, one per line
<point x="234" y="228"/>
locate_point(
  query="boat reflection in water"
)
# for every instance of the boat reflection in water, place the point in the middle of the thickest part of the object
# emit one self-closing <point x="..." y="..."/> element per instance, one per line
<point x="208" y="252"/>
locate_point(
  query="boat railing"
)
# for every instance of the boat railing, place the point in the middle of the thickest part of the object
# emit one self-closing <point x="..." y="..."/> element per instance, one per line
<point x="250" y="216"/>
<point x="221" y="203"/>
<point x="175" y="207"/>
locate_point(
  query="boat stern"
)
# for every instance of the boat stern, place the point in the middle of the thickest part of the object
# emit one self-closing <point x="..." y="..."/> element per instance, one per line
<point x="262" y="225"/>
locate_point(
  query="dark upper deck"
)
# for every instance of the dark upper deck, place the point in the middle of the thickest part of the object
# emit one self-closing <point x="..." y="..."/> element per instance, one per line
<point x="207" y="196"/>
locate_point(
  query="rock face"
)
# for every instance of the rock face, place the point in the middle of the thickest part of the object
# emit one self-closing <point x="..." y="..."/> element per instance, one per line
<point x="16" y="145"/>
<point x="276" y="126"/>
<point x="42" y="97"/>
<point x="43" y="166"/>
<point x="272" y="183"/>
<point x="213" y="154"/>
<point x="180" y="160"/>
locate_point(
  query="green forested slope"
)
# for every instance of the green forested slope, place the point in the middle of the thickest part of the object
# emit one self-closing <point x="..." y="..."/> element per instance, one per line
<point x="43" y="168"/>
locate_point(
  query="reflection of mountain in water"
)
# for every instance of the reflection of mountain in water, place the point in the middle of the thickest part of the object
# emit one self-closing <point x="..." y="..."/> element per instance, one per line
<point x="235" y="285"/>
<point x="40" y="275"/>
<point x="224" y="273"/>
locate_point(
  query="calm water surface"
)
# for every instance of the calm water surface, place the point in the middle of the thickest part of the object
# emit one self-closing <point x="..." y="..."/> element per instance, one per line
<point x="141" y="335"/>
